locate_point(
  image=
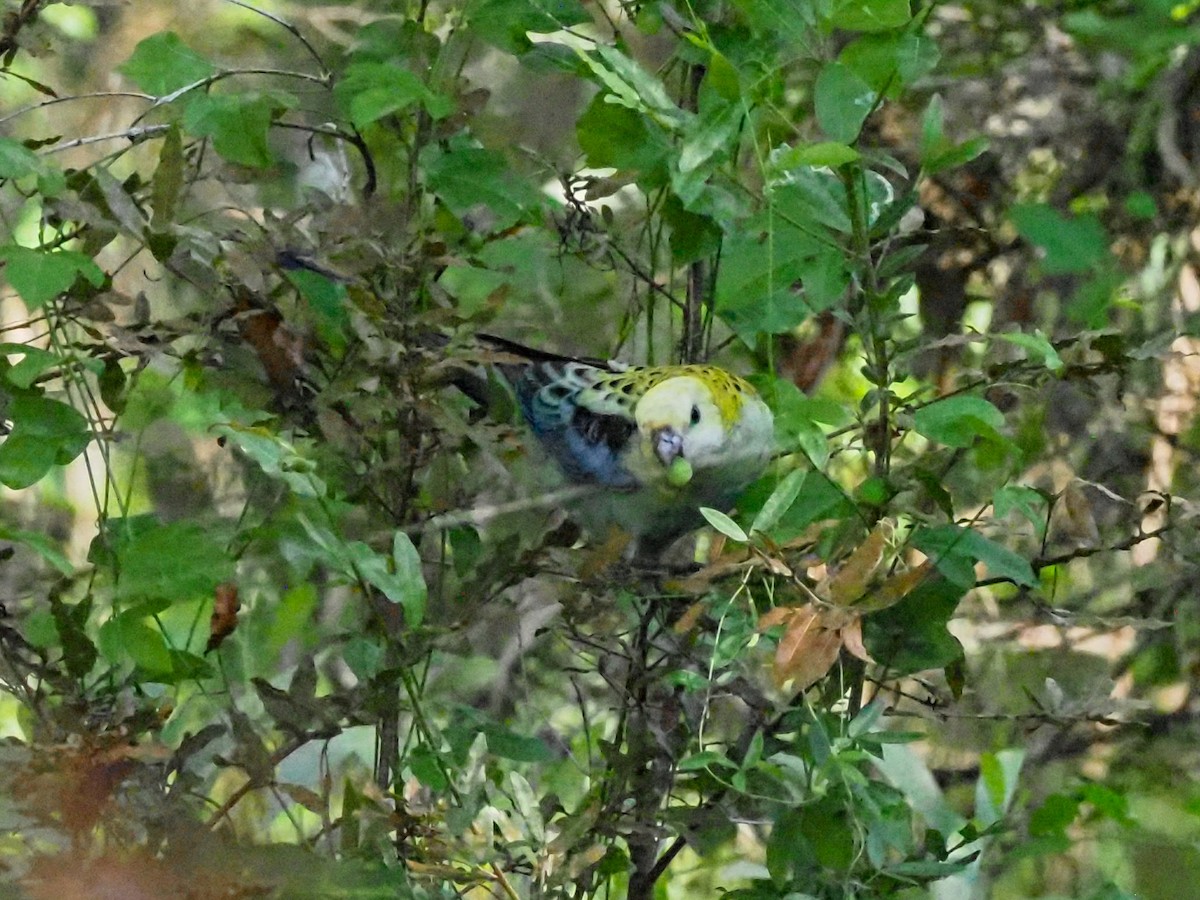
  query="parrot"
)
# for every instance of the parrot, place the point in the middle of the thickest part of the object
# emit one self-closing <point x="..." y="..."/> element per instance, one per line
<point x="657" y="442"/>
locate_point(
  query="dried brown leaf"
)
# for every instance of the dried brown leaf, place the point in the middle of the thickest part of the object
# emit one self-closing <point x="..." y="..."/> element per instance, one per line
<point x="807" y="650"/>
<point x="851" y="580"/>
<point x="895" y="588"/>
<point x="224" y="615"/>
<point x="852" y="640"/>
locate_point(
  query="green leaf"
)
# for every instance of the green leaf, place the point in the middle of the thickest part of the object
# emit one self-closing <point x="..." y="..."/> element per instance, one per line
<point x="404" y="587"/>
<point x="826" y="153"/>
<point x="1068" y="244"/>
<point x="34" y="362"/>
<point x="869" y="15"/>
<point x="162" y="63"/>
<point x="891" y="61"/>
<point x="946" y="544"/>
<point x="780" y="501"/>
<point x="505" y="23"/>
<point x="1141" y="205"/>
<point x="41" y="275"/>
<point x="1091" y="303"/>
<point x="704" y="760"/>
<point x="275" y="456"/>
<point x="1029" y="502"/>
<point x="710" y="136"/>
<point x="958" y="420"/>
<point x="39" y="544"/>
<point x="466" y="177"/>
<point x="175" y="562"/>
<point x="408" y="572"/>
<point x="812" y="198"/>
<point x="238" y="125"/>
<point x="722" y="523"/>
<point x="18" y="161"/>
<point x="955" y="155"/>
<point x="788" y="851"/>
<point x="368" y="91"/>
<point x="911" y="636"/>
<point x="45" y="433"/>
<point x="1037" y="345"/>
<point x="842" y="100"/>
<point x="761" y="266"/>
<point x="998" y="776"/>
<point x="630" y="85"/>
<point x="129" y="635"/>
<point x="612" y="135"/>
<point x="167" y="183"/>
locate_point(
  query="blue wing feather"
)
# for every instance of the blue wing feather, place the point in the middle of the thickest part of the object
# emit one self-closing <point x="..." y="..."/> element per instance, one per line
<point x="585" y="444"/>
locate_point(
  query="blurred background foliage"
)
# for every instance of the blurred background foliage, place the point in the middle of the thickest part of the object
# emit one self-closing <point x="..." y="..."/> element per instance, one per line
<point x="285" y="613"/>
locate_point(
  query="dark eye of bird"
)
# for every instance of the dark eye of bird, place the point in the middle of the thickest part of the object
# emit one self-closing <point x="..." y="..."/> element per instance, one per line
<point x="695" y="415"/>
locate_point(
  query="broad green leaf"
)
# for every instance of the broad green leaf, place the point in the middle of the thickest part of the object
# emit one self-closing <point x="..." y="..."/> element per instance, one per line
<point x="162" y="63"/>
<point x="842" y="100"/>
<point x="958" y="420"/>
<point x="612" y="135"/>
<point x="705" y="759"/>
<point x="466" y="177"/>
<point x="788" y="852"/>
<point x="812" y="197"/>
<point x="1068" y="244"/>
<point x="238" y="125"/>
<point x="1092" y="301"/>
<point x="368" y="91"/>
<point x="709" y="136"/>
<point x="869" y="15"/>
<point x="946" y="544"/>
<point x="722" y="523"/>
<point x="765" y="263"/>
<point x="18" y="161"/>
<point x="505" y="23"/>
<point x="129" y="635"/>
<point x="327" y="298"/>
<point x="1037" y="345"/>
<point x="780" y="501"/>
<point x="473" y="286"/>
<point x="174" y="562"/>
<point x="693" y="236"/>
<point x="890" y="61"/>
<point x="821" y="499"/>
<point x="275" y="456"/>
<point x="45" y="433"/>
<point x="911" y="636"/>
<point x="34" y="361"/>
<point x="1141" y="205"/>
<point x="41" y="275"/>
<point x="955" y="155"/>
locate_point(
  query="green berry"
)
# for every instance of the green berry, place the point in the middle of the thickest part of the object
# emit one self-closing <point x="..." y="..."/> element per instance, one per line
<point x="679" y="473"/>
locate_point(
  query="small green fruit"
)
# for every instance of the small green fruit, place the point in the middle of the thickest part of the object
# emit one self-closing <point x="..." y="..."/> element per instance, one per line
<point x="679" y="473"/>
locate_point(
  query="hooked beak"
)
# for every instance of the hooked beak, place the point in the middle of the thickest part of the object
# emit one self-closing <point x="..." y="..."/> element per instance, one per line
<point x="668" y="444"/>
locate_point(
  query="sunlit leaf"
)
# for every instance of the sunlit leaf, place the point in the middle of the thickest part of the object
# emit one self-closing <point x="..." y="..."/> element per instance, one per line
<point x="958" y="420"/>
<point x="41" y="275"/>
<point x="722" y="523"/>
<point x="162" y="63"/>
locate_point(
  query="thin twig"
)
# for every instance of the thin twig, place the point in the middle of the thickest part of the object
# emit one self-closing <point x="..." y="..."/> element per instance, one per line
<point x="1081" y="553"/>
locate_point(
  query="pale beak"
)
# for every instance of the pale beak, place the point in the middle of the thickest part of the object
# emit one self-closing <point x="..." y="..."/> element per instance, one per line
<point x="668" y="444"/>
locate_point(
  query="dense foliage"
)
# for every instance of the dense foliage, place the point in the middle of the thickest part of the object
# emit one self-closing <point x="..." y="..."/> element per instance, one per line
<point x="288" y="612"/>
